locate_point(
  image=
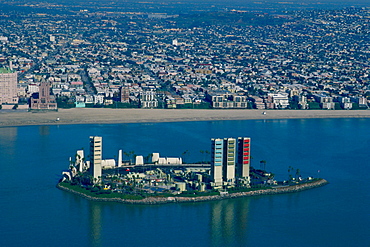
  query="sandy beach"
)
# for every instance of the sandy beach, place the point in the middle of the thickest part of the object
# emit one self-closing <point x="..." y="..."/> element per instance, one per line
<point x="105" y="116"/>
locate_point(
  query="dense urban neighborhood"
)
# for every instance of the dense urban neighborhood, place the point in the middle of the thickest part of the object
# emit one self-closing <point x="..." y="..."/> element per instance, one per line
<point x="304" y="59"/>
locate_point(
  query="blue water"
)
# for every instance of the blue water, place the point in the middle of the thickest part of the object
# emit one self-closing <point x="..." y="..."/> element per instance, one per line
<point x="35" y="213"/>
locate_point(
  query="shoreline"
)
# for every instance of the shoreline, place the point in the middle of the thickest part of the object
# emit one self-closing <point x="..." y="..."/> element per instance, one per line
<point x="165" y="200"/>
<point x="113" y="116"/>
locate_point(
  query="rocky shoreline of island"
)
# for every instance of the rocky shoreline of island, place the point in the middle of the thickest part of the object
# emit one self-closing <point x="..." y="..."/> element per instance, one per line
<point x="223" y="196"/>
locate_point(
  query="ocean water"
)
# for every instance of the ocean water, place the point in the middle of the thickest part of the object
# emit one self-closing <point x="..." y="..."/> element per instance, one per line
<point x="35" y="213"/>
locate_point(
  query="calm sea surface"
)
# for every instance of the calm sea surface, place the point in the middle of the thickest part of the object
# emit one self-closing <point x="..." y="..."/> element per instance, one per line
<point x="35" y="213"/>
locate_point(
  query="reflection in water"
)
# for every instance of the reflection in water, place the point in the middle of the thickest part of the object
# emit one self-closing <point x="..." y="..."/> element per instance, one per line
<point x="44" y="130"/>
<point x="229" y="222"/>
<point x="8" y="140"/>
<point x="95" y="224"/>
<point x="7" y="135"/>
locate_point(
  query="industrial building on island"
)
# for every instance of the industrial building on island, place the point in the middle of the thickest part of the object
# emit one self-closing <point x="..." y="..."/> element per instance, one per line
<point x="229" y="167"/>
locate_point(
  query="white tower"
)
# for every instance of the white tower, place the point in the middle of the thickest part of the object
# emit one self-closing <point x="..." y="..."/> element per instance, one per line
<point x="80" y="160"/>
<point x="96" y="157"/>
<point x="229" y="157"/>
<point x="119" y="163"/>
<point x="217" y="161"/>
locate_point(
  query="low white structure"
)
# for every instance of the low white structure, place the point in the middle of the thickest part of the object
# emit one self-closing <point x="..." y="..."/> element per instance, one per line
<point x="181" y="186"/>
<point x="67" y="175"/>
<point x="156" y="159"/>
<point x="108" y="164"/>
<point x="173" y="161"/>
<point x="136" y="175"/>
<point x="162" y="161"/>
<point x="279" y="100"/>
<point x="139" y="160"/>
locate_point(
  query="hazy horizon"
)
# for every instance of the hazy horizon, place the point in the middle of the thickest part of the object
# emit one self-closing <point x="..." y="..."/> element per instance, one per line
<point x="178" y="7"/>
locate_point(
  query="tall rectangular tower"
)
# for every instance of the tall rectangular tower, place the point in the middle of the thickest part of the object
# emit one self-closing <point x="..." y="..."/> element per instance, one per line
<point x="43" y="100"/>
<point x="95" y="157"/>
<point x="125" y="94"/>
<point x="8" y="86"/>
<point x="217" y="150"/>
<point x="229" y="157"/>
<point x="244" y="157"/>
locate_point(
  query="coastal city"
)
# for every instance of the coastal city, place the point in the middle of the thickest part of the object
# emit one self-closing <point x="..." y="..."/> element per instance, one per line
<point x="231" y="59"/>
<point x="141" y="177"/>
<point x="190" y="123"/>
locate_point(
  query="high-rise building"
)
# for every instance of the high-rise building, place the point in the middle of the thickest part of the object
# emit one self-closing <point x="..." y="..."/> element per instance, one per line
<point x="217" y="161"/>
<point x="229" y="157"/>
<point x="125" y="94"/>
<point x="43" y="100"/>
<point x="8" y="86"/>
<point x="96" y="157"/>
<point x="244" y="158"/>
<point x="230" y="161"/>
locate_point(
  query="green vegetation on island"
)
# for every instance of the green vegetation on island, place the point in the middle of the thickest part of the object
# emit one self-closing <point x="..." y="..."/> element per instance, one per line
<point x="188" y="196"/>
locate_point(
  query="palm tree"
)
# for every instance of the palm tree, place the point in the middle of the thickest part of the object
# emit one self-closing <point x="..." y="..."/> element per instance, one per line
<point x="202" y="152"/>
<point x="290" y="169"/>
<point x="147" y="158"/>
<point x="297" y="174"/>
<point x="263" y="162"/>
<point x="186" y="152"/>
<point x="207" y="154"/>
<point x="126" y="154"/>
<point x="132" y="154"/>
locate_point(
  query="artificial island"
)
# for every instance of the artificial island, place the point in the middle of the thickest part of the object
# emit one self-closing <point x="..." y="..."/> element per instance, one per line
<point x="153" y="179"/>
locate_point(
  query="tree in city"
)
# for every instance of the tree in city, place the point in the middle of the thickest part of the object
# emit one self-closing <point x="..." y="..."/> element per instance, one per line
<point x="147" y="159"/>
<point x="186" y="152"/>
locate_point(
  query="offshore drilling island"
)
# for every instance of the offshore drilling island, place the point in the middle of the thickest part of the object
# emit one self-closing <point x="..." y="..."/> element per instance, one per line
<point x="153" y="179"/>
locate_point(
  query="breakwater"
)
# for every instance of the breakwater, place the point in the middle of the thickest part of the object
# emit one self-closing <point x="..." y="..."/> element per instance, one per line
<point x="178" y="199"/>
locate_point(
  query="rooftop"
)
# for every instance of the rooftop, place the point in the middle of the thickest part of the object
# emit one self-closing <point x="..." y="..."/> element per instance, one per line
<point x="6" y="70"/>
